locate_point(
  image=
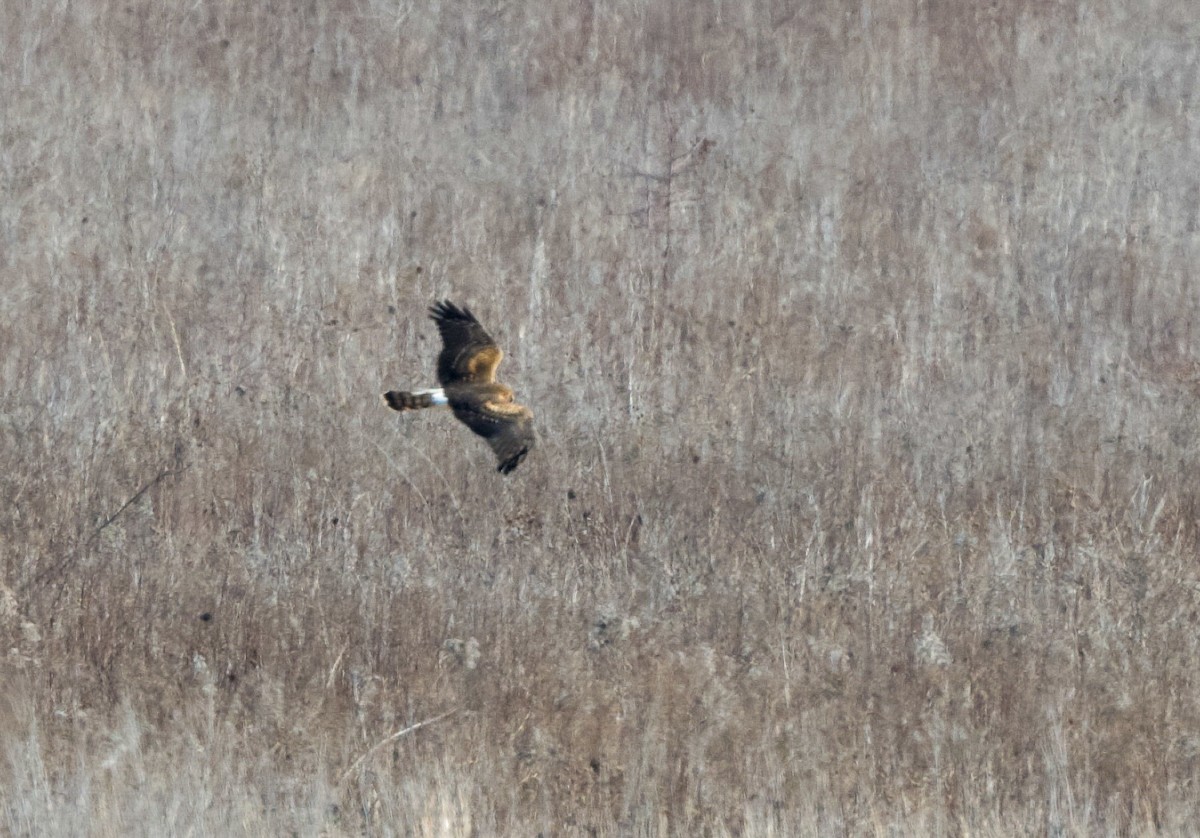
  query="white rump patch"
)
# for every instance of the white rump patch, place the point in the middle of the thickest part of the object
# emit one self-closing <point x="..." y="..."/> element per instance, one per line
<point x="437" y="394"/>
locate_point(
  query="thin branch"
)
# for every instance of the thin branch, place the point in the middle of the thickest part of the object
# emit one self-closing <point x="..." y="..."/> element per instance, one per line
<point x="73" y="556"/>
<point x="632" y="172"/>
<point x="150" y="484"/>
<point x="387" y="741"/>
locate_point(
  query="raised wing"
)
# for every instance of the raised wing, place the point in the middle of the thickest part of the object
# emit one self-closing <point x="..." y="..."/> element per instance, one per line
<point x="506" y="426"/>
<point x="468" y="354"/>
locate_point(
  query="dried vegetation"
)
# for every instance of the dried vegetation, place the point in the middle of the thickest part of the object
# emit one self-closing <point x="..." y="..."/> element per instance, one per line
<point x="863" y="343"/>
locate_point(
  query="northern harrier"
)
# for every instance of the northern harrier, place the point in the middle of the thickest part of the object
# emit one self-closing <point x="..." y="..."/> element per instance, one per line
<point x="466" y="370"/>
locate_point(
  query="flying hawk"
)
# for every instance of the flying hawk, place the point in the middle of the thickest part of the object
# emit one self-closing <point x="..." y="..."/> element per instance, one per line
<point x="466" y="370"/>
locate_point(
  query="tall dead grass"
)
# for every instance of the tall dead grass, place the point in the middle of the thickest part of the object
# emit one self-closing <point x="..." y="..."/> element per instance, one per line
<point x="862" y="344"/>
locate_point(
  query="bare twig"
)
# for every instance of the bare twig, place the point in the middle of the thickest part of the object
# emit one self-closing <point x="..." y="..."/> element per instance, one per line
<point x="388" y="740"/>
<point x="150" y="484"/>
<point x="73" y="556"/>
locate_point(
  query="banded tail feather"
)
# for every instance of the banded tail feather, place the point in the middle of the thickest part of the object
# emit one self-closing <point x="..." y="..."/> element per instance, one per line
<point x="399" y="400"/>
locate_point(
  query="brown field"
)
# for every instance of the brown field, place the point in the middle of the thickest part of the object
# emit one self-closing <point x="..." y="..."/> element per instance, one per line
<point x="865" y="352"/>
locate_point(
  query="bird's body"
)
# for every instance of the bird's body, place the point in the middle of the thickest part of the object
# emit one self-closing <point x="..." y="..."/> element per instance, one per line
<point x="467" y="372"/>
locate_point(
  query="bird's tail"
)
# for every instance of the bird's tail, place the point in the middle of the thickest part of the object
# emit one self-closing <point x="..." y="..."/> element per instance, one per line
<point x="398" y="400"/>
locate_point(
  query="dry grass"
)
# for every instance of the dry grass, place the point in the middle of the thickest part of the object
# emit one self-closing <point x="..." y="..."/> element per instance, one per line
<point x="863" y="343"/>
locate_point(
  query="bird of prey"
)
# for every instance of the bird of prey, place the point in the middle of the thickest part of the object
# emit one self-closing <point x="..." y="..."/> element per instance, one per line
<point x="466" y="369"/>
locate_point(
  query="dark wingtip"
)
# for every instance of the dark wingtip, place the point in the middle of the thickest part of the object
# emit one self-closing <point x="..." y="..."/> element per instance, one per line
<point x="446" y="310"/>
<point x="512" y="462"/>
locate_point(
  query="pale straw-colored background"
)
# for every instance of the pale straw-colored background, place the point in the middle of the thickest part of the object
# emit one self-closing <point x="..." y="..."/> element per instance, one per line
<point x="863" y="341"/>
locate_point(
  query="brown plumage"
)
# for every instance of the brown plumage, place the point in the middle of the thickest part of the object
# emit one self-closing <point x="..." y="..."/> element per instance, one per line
<point x="466" y="370"/>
